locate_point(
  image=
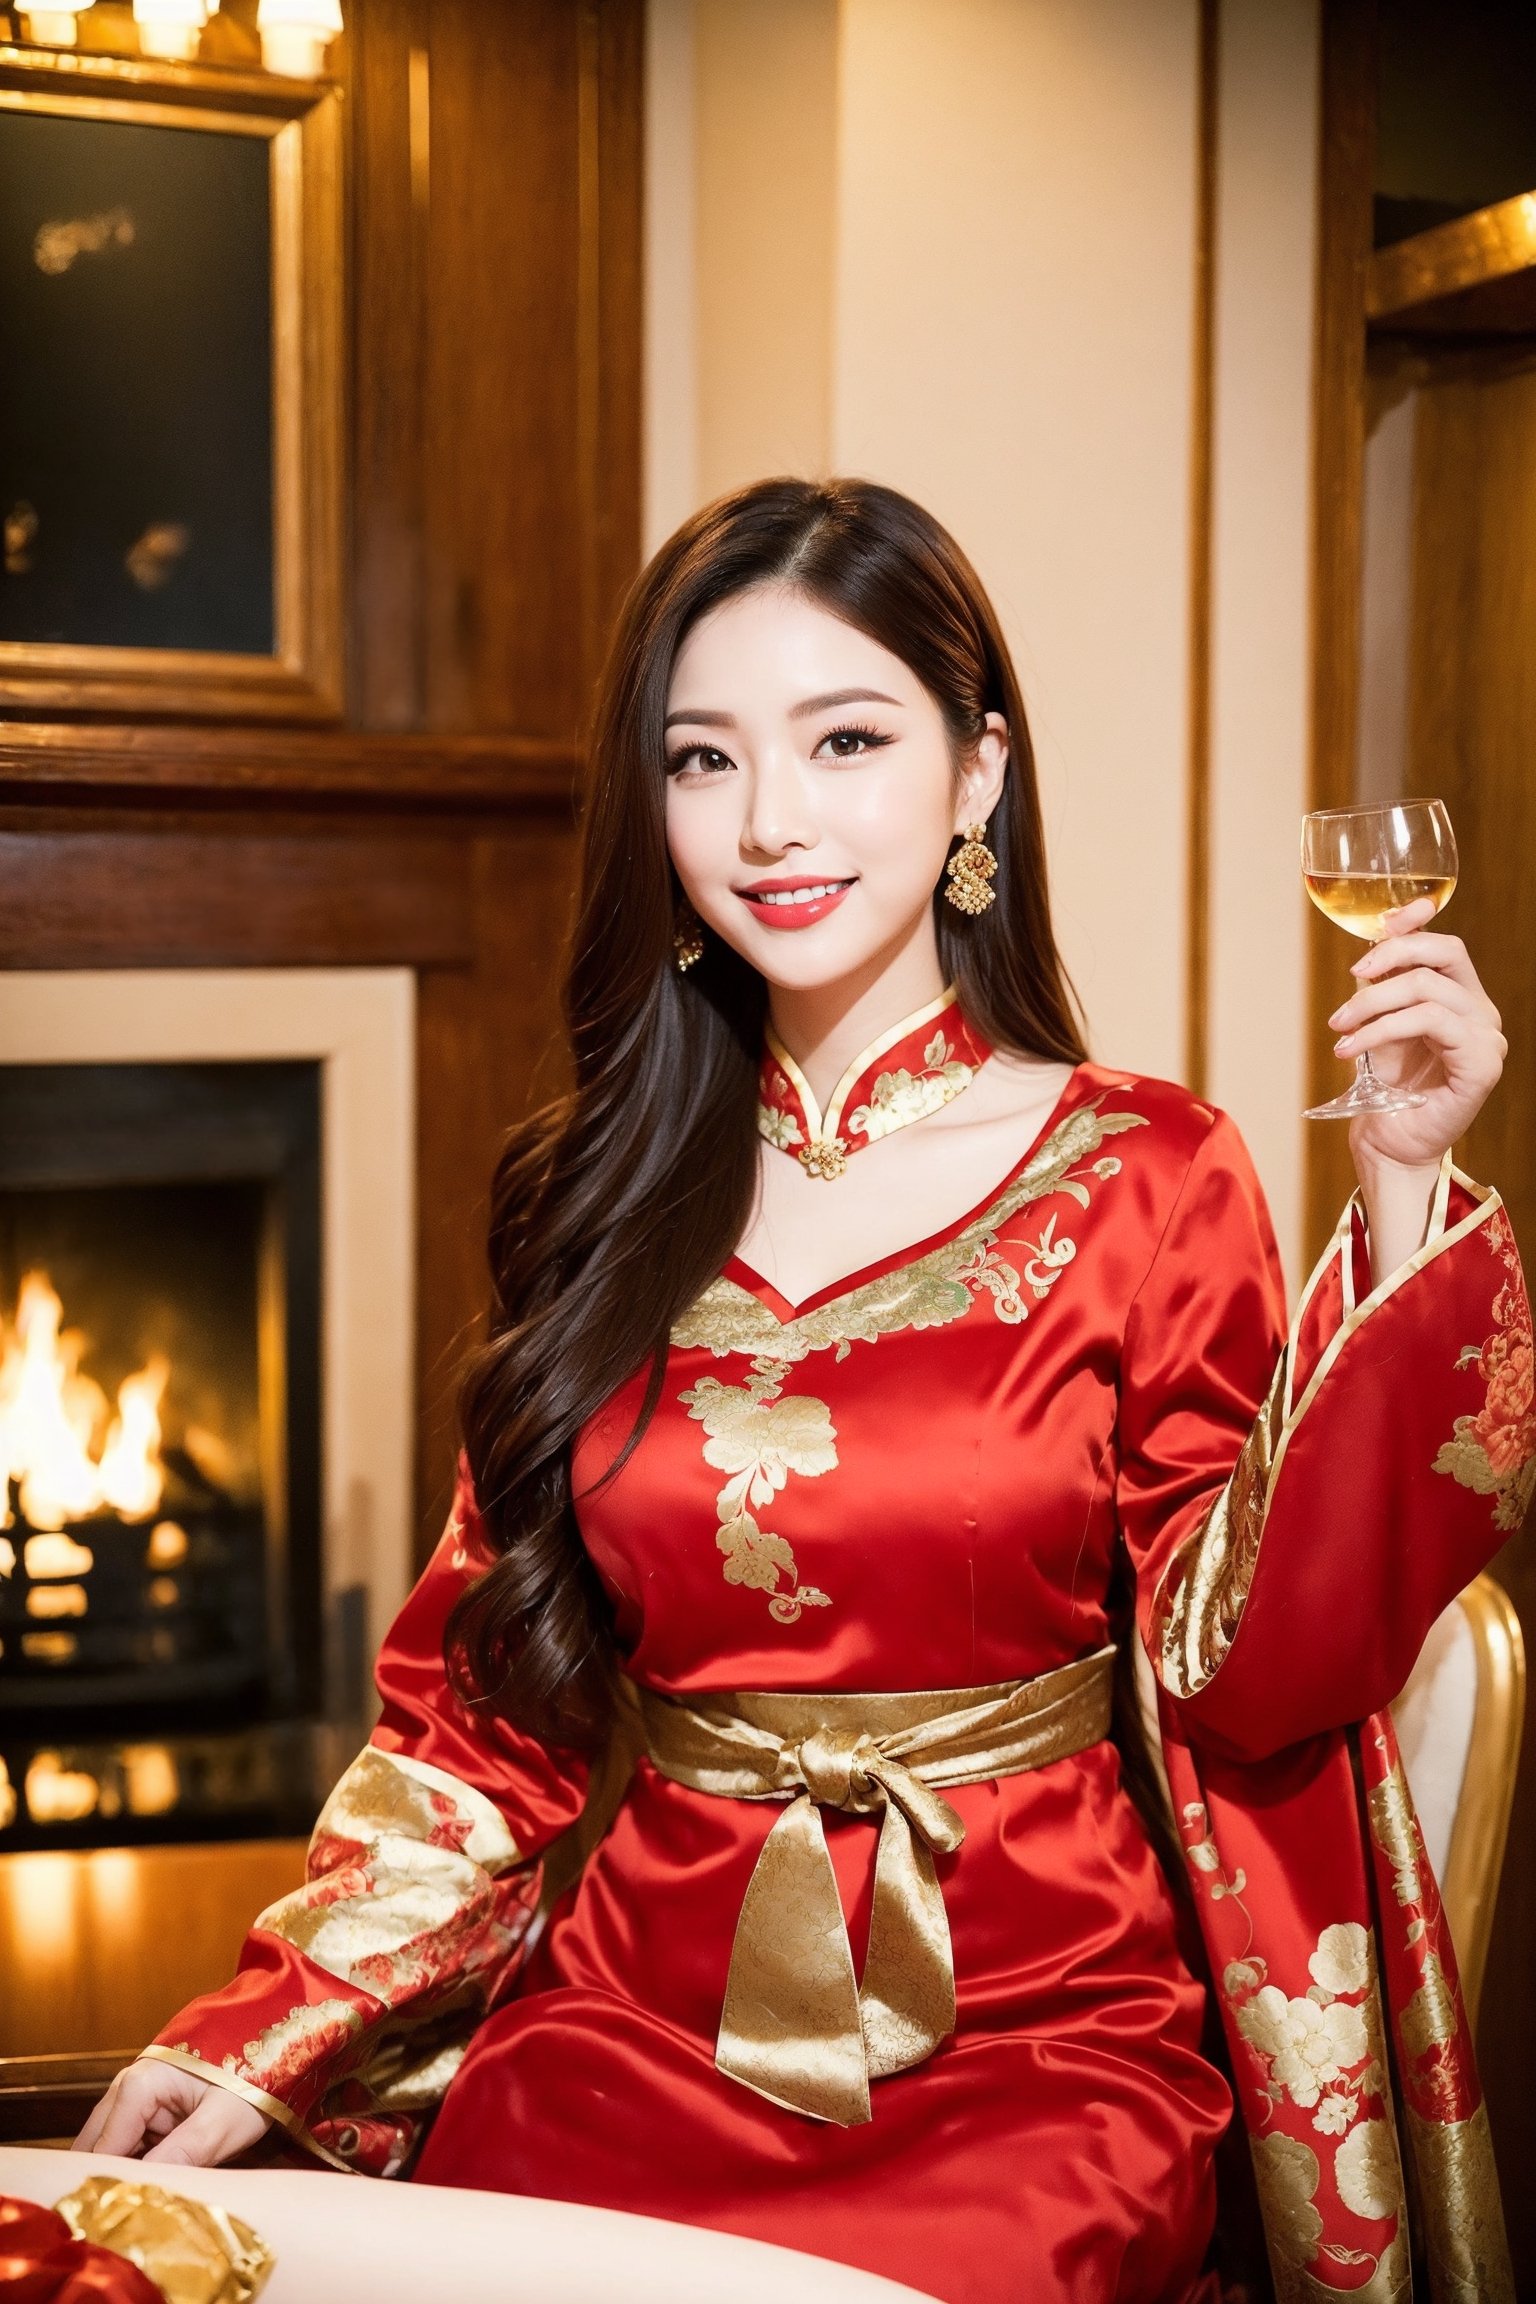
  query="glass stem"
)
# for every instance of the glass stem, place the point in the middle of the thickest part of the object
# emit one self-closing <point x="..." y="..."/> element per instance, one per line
<point x="1365" y="1075"/>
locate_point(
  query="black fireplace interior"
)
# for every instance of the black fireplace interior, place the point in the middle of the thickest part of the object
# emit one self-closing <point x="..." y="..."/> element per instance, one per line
<point x="162" y="1650"/>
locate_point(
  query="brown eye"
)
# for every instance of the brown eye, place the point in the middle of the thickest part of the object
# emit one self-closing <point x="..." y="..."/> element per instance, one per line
<point x="702" y="756"/>
<point x="850" y="743"/>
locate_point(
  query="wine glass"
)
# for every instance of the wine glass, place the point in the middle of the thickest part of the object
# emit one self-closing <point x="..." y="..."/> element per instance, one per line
<point x="1358" y="865"/>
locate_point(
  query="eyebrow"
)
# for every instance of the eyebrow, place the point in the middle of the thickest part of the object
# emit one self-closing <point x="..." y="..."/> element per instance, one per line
<point x="803" y="711"/>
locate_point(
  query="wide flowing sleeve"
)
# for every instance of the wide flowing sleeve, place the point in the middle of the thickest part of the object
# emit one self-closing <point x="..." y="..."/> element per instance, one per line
<point x="355" y="1996"/>
<point x="1301" y="1502"/>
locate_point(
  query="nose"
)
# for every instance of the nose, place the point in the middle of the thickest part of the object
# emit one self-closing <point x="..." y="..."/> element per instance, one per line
<point x="779" y="814"/>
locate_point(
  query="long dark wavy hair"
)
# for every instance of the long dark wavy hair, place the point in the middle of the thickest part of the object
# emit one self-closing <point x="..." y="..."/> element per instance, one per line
<point x="611" y="1209"/>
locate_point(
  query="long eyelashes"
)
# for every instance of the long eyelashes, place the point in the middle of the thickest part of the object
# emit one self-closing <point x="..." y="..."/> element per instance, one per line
<point x="870" y="738"/>
<point x="676" y="761"/>
<point x="867" y="739"/>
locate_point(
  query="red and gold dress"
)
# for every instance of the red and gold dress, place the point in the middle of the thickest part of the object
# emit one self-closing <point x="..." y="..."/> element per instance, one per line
<point x="918" y="1480"/>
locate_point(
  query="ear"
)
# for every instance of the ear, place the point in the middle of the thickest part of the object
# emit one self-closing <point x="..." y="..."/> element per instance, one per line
<point x="981" y="779"/>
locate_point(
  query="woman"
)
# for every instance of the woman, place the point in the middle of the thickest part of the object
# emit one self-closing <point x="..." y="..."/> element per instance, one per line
<point x="851" y="1330"/>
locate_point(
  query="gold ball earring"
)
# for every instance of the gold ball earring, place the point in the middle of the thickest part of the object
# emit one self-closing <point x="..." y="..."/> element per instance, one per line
<point x="687" y="937"/>
<point x="969" y="870"/>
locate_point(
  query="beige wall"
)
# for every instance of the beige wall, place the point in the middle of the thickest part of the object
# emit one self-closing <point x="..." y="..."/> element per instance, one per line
<point x="951" y="244"/>
<point x="742" y="151"/>
<point x="1013" y="347"/>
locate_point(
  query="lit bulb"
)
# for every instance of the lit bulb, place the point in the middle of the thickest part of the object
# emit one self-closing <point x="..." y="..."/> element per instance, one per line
<point x="54" y="27"/>
<point x="295" y="35"/>
<point x="170" y="27"/>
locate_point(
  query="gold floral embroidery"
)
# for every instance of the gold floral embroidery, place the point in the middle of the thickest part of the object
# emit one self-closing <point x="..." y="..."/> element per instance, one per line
<point x="1309" y="2045"/>
<point x="289" y="2049"/>
<point x="1494" y="1452"/>
<point x="759" y="1438"/>
<point x="1431" y="2018"/>
<point x="780" y="1128"/>
<point x="1320" y="2053"/>
<point x="1200" y="1600"/>
<point x="913" y="1085"/>
<point x="1288" y="2176"/>
<point x="413" y="1891"/>
<point x="1396" y="1832"/>
<point x="1204" y="1856"/>
<point x="1321" y="2049"/>
<point x="927" y="1291"/>
<point x="1463" y="2214"/>
<point x="900" y="1096"/>
<point x="1366" y="2170"/>
<point x="390" y="1795"/>
<point x="1458" y="2187"/>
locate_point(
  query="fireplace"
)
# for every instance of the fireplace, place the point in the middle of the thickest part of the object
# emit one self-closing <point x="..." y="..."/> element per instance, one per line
<point x="164" y="1670"/>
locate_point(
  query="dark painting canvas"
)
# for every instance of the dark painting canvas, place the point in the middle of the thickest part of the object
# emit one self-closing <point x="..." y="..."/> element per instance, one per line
<point x="135" y="385"/>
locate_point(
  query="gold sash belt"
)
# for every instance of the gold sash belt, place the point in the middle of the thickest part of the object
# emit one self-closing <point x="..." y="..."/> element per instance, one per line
<point x="797" y="2026"/>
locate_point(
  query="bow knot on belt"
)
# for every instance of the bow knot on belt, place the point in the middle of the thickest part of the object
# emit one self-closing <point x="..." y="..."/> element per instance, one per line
<point x="797" y="2025"/>
<point x="845" y="1768"/>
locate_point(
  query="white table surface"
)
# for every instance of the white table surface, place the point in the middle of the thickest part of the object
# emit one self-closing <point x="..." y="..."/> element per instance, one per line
<point x="358" y="2240"/>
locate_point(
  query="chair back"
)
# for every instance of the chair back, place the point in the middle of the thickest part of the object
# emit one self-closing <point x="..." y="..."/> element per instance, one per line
<point x="1459" y="1723"/>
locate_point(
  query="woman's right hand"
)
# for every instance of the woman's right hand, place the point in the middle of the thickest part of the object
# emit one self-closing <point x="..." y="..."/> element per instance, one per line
<point x="156" y="2111"/>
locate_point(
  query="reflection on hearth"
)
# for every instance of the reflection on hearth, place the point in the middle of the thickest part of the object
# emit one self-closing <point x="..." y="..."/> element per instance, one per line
<point x="197" y="1787"/>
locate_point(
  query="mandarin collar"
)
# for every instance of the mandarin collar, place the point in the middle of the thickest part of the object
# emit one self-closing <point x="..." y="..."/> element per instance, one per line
<point x="920" y="1064"/>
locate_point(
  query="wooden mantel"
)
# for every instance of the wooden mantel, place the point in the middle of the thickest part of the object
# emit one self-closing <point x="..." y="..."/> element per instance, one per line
<point x="74" y="764"/>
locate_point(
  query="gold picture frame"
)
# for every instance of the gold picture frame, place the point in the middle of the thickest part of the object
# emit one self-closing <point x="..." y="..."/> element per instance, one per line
<point x="287" y="659"/>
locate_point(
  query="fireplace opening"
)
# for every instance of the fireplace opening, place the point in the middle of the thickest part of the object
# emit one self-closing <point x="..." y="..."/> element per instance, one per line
<point x="163" y="1630"/>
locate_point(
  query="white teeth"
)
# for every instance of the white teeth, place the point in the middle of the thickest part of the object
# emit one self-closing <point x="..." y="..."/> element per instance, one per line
<point x="798" y="895"/>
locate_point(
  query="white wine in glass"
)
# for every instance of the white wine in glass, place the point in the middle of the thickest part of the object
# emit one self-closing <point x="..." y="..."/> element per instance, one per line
<point x="1359" y="864"/>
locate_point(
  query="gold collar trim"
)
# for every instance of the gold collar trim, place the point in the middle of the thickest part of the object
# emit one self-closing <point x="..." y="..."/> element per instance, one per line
<point x="915" y="1068"/>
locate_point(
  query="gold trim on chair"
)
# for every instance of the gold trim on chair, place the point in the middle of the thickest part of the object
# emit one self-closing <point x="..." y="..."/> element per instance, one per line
<point x="1476" y="1857"/>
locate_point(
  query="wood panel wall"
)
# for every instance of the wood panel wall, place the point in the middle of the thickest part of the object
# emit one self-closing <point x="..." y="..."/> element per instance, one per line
<point x="1472" y="740"/>
<point x="496" y="281"/>
<point x="493" y="195"/>
<point x="493" y="186"/>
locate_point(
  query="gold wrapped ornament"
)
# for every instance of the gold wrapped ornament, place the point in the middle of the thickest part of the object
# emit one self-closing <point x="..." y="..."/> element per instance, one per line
<point x="194" y="2252"/>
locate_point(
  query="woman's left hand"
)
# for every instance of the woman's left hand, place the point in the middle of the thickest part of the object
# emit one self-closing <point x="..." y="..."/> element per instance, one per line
<point x="1421" y="1014"/>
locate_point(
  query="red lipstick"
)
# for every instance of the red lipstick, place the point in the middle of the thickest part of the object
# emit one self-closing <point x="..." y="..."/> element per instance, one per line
<point x="793" y="900"/>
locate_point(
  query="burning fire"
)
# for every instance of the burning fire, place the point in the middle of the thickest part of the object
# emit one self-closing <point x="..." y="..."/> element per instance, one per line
<point x="51" y="1417"/>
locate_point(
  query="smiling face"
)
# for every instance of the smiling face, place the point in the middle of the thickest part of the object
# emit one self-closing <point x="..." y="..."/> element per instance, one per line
<point x="812" y="790"/>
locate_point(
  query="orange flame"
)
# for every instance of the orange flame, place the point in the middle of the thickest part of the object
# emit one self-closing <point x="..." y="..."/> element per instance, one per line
<point x="51" y="1414"/>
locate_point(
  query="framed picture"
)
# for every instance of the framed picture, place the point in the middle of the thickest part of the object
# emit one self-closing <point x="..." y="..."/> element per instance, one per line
<point x="170" y="389"/>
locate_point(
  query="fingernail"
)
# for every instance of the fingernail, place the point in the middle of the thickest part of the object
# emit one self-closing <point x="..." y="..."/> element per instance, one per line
<point x="1359" y="967"/>
<point x="1341" y="1047"/>
<point x="1337" y="1017"/>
